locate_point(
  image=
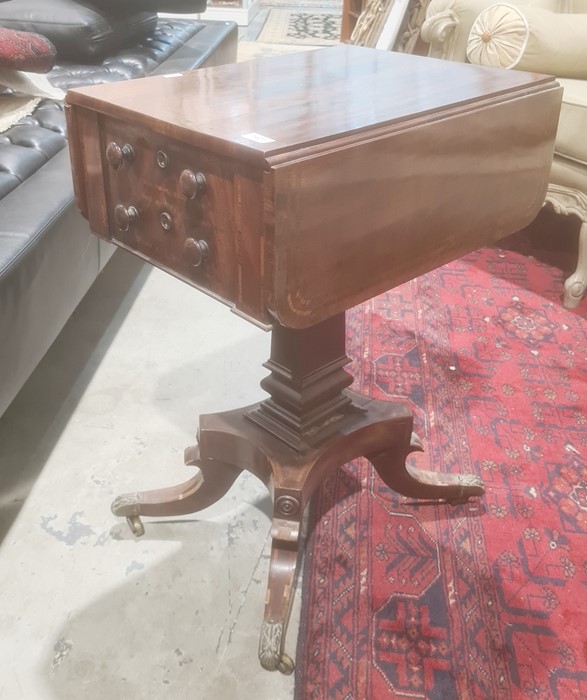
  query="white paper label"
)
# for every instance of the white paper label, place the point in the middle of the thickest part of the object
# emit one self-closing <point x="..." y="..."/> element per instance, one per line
<point x="258" y="138"/>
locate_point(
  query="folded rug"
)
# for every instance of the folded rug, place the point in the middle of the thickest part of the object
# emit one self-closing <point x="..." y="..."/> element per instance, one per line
<point x="25" y="91"/>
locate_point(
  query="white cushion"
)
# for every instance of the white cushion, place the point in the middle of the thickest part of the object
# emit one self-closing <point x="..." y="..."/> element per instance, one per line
<point x="530" y="38"/>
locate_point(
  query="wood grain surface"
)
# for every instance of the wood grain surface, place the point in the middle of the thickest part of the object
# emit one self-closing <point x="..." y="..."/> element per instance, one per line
<point x="298" y="99"/>
<point x="332" y="175"/>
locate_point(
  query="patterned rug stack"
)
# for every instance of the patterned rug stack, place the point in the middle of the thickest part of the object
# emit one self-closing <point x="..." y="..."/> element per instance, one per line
<point x="301" y="27"/>
<point x="485" y="600"/>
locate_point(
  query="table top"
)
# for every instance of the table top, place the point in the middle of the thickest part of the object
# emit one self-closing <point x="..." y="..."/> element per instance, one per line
<point x="330" y="175"/>
<point x="263" y="108"/>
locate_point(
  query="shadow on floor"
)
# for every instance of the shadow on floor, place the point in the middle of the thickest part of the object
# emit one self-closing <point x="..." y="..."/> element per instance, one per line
<point x="33" y="423"/>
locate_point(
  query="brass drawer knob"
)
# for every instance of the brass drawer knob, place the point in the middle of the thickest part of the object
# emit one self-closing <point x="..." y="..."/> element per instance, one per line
<point x="196" y="251"/>
<point x="116" y="155"/>
<point x="192" y="184"/>
<point x="125" y="217"/>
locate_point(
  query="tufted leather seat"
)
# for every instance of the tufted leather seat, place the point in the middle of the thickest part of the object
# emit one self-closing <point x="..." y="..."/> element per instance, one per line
<point x="48" y="258"/>
<point x="30" y="144"/>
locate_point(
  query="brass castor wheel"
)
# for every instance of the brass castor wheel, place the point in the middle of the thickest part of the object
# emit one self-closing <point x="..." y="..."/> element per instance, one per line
<point x="286" y="665"/>
<point x="136" y="525"/>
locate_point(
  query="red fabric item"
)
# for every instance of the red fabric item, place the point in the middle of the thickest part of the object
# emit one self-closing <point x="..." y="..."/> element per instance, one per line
<point x="482" y="601"/>
<point x="26" y="51"/>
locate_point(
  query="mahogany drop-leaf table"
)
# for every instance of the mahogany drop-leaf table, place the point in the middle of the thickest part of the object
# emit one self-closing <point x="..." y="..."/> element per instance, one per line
<point x="291" y="189"/>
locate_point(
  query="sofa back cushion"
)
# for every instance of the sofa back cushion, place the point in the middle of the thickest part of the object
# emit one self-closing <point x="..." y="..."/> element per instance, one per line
<point x="570" y="137"/>
<point x="79" y="31"/>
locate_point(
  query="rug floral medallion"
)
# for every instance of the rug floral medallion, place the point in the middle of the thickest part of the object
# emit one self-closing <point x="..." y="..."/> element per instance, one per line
<point x="486" y="600"/>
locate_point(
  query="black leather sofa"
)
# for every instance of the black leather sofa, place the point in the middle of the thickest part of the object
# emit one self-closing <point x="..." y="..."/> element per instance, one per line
<point x="48" y="258"/>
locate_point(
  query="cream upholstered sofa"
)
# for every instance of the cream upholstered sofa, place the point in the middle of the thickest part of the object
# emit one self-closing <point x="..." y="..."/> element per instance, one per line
<point x="544" y="36"/>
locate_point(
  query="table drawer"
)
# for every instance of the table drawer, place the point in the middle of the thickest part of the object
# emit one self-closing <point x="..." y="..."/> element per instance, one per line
<point x="171" y="204"/>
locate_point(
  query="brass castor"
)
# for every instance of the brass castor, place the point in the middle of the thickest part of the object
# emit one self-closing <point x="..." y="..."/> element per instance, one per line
<point x="286" y="665"/>
<point x="136" y="525"/>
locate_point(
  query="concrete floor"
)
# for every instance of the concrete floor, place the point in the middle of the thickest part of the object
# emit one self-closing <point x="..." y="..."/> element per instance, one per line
<point x="86" y="610"/>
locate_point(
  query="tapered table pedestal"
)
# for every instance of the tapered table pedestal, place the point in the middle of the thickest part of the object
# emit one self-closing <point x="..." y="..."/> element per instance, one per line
<point x="311" y="424"/>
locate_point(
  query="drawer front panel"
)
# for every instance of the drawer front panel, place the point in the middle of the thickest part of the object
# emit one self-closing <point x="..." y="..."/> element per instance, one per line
<point x="171" y="204"/>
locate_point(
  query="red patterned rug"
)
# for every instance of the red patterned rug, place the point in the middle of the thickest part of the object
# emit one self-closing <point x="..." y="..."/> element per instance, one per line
<point x="480" y="601"/>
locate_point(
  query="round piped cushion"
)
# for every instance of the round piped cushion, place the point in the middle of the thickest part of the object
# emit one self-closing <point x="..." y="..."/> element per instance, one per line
<point x="530" y="38"/>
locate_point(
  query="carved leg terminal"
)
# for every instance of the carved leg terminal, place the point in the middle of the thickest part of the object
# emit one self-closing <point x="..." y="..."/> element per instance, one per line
<point x="419" y="483"/>
<point x="576" y="284"/>
<point x="208" y="486"/>
<point x="310" y="424"/>
<point x="285" y="534"/>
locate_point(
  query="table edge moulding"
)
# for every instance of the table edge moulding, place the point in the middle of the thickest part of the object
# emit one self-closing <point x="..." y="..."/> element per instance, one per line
<point x="291" y="189"/>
